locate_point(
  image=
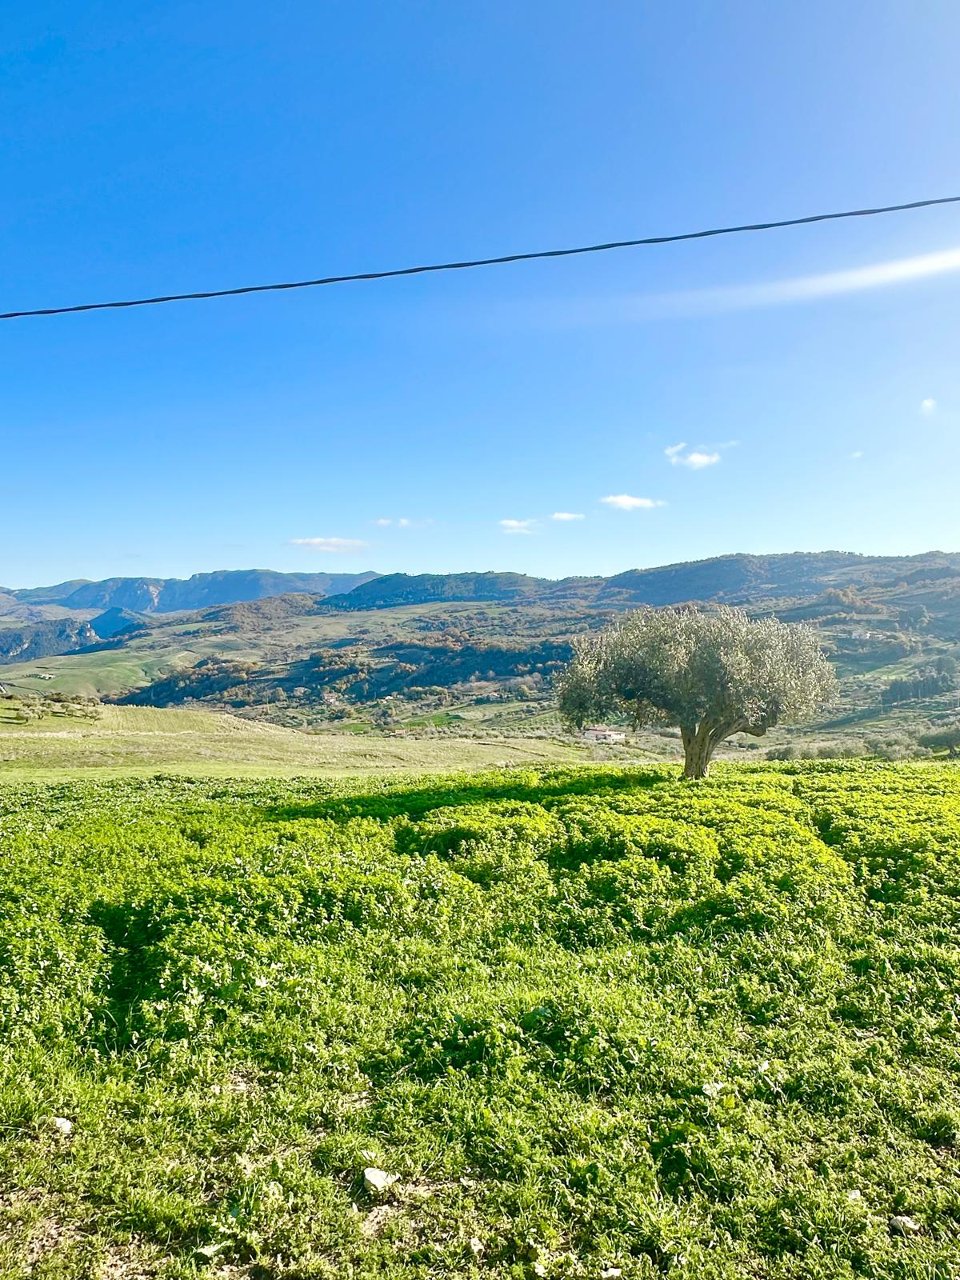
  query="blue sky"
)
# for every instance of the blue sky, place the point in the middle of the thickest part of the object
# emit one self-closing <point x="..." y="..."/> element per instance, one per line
<point x="815" y="390"/>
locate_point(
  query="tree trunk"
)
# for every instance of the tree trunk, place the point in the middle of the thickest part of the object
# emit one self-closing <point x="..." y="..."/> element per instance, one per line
<point x="700" y="741"/>
<point x="697" y="761"/>
<point x="698" y="748"/>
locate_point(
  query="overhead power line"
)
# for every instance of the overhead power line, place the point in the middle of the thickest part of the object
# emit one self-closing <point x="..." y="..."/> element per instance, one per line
<point x="501" y="260"/>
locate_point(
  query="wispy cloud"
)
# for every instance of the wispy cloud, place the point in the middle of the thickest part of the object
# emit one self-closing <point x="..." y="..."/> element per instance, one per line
<point x="856" y="455"/>
<point x="829" y="284"/>
<point x="568" y="515"/>
<point x="398" y="522"/>
<point x="928" y="406"/>
<point x="792" y="290"/>
<point x="627" y="502"/>
<point x="330" y="545"/>
<point x="518" y="526"/>
<point x="696" y="459"/>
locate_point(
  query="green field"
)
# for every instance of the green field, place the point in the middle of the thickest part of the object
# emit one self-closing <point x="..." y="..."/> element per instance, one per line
<point x="131" y="741"/>
<point x="588" y="1022"/>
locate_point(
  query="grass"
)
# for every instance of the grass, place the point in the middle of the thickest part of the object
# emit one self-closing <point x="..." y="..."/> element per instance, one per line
<point x="139" y="741"/>
<point x="590" y="1020"/>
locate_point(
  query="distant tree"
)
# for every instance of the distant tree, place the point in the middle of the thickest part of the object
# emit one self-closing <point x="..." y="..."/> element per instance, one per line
<point x="915" y="616"/>
<point x="924" y="683"/>
<point x="711" y="673"/>
<point x="945" y="739"/>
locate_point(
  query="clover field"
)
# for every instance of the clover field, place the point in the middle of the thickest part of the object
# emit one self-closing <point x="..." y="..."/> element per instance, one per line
<point x="572" y="1022"/>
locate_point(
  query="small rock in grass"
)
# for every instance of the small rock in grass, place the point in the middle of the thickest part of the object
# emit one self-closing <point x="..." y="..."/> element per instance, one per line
<point x="610" y="1273"/>
<point x="63" y="1126"/>
<point x="476" y="1246"/>
<point x="902" y="1225"/>
<point x="378" y="1180"/>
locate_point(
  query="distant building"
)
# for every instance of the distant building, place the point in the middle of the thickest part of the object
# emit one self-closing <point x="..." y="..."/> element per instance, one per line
<point x="597" y="733"/>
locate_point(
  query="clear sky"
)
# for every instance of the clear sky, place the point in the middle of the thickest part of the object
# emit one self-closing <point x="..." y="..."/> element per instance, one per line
<point x="785" y="391"/>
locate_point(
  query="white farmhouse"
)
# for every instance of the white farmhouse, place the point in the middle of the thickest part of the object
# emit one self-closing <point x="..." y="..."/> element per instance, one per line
<point x="599" y="733"/>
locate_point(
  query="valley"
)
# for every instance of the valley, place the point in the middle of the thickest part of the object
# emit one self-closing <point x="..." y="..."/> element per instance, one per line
<point x="469" y="655"/>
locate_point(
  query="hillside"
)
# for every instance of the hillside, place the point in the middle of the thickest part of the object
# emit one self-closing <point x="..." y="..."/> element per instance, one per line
<point x="477" y="652"/>
<point x="562" y="1023"/>
<point x="140" y="741"/>
<point x="390" y="590"/>
<point x="731" y="579"/>
<point x="741" y="579"/>
<point x="26" y="642"/>
<point x="172" y="595"/>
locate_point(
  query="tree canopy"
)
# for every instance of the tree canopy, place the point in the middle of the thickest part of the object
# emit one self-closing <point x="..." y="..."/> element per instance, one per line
<point x="712" y="674"/>
<point x="946" y="738"/>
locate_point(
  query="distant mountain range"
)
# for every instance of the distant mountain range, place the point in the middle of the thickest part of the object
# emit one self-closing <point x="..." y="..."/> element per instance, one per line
<point x="175" y="595"/>
<point x="422" y="650"/>
<point x="72" y="616"/>
<point x="733" y="579"/>
<point x="738" y="579"/>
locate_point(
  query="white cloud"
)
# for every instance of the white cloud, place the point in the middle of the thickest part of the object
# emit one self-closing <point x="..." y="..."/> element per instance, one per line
<point x="330" y="545"/>
<point x="627" y="502"/>
<point x="383" y="522"/>
<point x="857" y="453"/>
<point x="568" y="515"/>
<point x="928" y="406"/>
<point x="696" y="459"/>
<point x="400" y="522"/>
<point x="518" y="526"/>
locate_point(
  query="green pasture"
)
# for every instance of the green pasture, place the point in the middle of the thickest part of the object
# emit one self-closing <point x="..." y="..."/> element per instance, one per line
<point x="560" y="1022"/>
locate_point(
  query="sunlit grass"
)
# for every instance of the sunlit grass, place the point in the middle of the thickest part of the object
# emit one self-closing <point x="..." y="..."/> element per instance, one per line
<point x="591" y="1019"/>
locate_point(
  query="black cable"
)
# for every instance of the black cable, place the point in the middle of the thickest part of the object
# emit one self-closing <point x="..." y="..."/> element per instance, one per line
<point x="478" y="262"/>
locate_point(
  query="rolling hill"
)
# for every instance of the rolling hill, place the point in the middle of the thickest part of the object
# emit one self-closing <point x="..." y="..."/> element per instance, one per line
<point x="731" y="579"/>
<point x="443" y="652"/>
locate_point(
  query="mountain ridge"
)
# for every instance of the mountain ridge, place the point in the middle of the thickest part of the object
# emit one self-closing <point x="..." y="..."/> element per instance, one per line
<point x="176" y="595"/>
<point x="737" y="578"/>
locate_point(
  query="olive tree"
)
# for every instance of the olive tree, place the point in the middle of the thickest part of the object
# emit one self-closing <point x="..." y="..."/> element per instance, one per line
<point x="710" y="673"/>
<point x="946" y="739"/>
